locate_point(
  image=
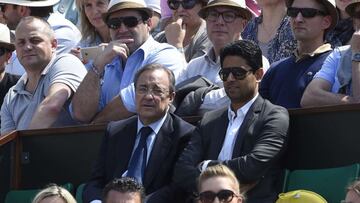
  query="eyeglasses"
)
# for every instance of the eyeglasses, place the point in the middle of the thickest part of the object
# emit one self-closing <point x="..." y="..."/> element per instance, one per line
<point x="239" y="73"/>
<point x="224" y="196"/>
<point x="155" y="91"/>
<point x="305" y="12"/>
<point x="3" y="51"/>
<point x="186" y="4"/>
<point x="129" y="21"/>
<point x="227" y="16"/>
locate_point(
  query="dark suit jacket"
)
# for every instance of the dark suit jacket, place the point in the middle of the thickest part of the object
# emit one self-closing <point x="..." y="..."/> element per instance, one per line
<point x="259" y="145"/>
<point x="116" y="150"/>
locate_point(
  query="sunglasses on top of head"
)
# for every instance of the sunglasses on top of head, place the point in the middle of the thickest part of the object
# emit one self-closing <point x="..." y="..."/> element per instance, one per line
<point x="305" y="12"/>
<point x="186" y="4"/>
<point x="224" y="196"/>
<point x="129" y="22"/>
<point x="239" y="73"/>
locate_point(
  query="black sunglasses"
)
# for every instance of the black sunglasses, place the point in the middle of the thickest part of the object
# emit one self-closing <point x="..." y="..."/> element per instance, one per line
<point x="239" y="73"/>
<point x="3" y="51"/>
<point x="186" y="4"/>
<point x="129" y="21"/>
<point x="224" y="196"/>
<point x="305" y="12"/>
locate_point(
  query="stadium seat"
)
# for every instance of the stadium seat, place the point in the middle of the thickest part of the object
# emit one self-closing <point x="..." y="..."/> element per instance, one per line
<point x="79" y="192"/>
<point x="329" y="183"/>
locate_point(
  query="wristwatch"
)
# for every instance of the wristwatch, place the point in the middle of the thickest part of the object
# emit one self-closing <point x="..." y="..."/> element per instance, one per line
<point x="356" y="57"/>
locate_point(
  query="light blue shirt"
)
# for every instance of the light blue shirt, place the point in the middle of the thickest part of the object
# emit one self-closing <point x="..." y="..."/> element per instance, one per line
<point x="119" y="77"/>
<point x="330" y="68"/>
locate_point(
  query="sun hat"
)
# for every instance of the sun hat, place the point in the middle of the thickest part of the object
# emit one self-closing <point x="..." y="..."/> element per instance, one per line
<point x="31" y="3"/>
<point x="5" y="38"/>
<point x="330" y="7"/>
<point x="350" y="8"/>
<point x="300" y="196"/>
<point x="117" y="5"/>
<point x="237" y="4"/>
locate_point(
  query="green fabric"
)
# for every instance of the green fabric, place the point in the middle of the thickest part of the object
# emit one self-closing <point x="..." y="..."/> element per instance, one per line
<point x="79" y="192"/>
<point x="329" y="183"/>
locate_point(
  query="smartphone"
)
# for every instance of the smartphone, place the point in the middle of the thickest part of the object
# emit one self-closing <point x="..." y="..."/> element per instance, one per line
<point x="88" y="53"/>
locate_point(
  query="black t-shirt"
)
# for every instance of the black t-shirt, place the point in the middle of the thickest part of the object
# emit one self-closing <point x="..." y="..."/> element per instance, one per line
<point x="5" y="84"/>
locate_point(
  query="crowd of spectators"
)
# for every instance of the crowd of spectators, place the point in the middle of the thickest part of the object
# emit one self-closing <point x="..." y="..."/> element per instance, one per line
<point x="242" y="63"/>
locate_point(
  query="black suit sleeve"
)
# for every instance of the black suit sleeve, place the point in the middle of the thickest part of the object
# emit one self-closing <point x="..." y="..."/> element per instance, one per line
<point x="269" y="143"/>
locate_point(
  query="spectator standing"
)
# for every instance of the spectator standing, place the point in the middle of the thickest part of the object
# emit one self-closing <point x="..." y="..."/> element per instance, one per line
<point x="285" y="82"/>
<point x="40" y="99"/>
<point x="271" y="30"/>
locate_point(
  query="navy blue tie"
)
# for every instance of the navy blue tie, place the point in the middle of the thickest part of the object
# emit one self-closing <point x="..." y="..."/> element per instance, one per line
<point x="137" y="163"/>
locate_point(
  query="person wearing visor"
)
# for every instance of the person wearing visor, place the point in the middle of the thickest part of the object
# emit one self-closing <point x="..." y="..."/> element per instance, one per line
<point x="187" y="32"/>
<point x="107" y="92"/>
<point x="248" y="135"/>
<point x="285" y="82"/>
<point x="338" y="80"/>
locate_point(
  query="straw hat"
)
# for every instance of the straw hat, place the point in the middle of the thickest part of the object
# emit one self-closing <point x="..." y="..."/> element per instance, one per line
<point x="5" y="38"/>
<point x="350" y="8"/>
<point x="330" y="7"/>
<point x="237" y="4"/>
<point x="300" y="196"/>
<point x="117" y="5"/>
<point x="31" y="3"/>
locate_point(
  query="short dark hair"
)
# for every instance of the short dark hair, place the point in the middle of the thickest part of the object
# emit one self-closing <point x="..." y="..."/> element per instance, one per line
<point x="246" y="49"/>
<point x="41" y="12"/>
<point x="124" y="185"/>
<point x="157" y="66"/>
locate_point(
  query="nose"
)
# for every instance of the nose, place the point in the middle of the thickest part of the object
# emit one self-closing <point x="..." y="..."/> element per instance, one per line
<point x="299" y="17"/>
<point x="220" y="19"/>
<point x="216" y="200"/>
<point x="230" y="77"/>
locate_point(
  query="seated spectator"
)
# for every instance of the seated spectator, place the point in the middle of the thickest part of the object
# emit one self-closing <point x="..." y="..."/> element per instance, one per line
<point x="338" y="80"/>
<point x="93" y="28"/>
<point x="54" y="193"/>
<point x="145" y="146"/>
<point x="7" y="80"/>
<point x="107" y="91"/>
<point x="248" y="136"/>
<point x="188" y="31"/>
<point x="353" y="193"/>
<point x="285" y="82"/>
<point x="342" y="32"/>
<point x="300" y="196"/>
<point x="219" y="182"/>
<point x="123" y="190"/>
<point x="66" y="33"/>
<point x="271" y="30"/>
<point x="41" y="97"/>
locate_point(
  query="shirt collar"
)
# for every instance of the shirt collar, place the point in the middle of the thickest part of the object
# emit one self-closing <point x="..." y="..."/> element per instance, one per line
<point x="155" y="126"/>
<point x="243" y="110"/>
<point x="321" y="49"/>
<point x="210" y="55"/>
<point x="146" y="47"/>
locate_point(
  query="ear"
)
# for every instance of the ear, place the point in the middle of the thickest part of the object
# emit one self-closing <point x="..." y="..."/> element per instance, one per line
<point x="8" y="56"/>
<point x="259" y="74"/>
<point x="148" y="22"/>
<point x="172" y="97"/>
<point x="54" y="44"/>
<point x="326" y="22"/>
<point x="23" y="11"/>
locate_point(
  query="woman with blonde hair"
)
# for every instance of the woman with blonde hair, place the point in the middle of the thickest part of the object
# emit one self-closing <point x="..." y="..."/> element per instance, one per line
<point x="219" y="182"/>
<point x="54" y="193"/>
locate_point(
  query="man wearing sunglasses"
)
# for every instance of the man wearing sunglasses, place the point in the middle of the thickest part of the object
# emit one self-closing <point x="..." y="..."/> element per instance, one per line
<point x="338" y="80"/>
<point x="131" y="48"/>
<point x="285" y="82"/>
<point x="248" y="136"/>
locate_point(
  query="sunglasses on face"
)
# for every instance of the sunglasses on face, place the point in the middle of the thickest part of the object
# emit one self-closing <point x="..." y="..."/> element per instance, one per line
<point x="129" y="22"/>
<point x="186" y="4"/>
<point x="239" y="73"/>
<point x="227" y="16"/>
<point x="305" y="12"/>
<point x="3" y="51"/>
<point x="224" y="196"/>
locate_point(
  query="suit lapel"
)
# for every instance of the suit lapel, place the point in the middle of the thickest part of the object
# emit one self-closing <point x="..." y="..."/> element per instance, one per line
<point x="161" y="147"/>
<point x="218" y="139"/>
<point x="124" y="147"/>
<point x="249" y="119"/>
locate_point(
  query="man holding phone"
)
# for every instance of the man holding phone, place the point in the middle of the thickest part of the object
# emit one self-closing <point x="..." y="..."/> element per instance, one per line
<point x="113" y="70"/>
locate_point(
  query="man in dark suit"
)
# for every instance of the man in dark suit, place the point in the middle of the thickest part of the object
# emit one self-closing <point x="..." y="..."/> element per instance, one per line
<point x="148" y="157"/>
<point x="249" y="136"/>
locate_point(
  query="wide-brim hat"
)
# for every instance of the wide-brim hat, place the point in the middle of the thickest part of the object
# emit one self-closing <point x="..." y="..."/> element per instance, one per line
<point x="350" y="8"/>
<point x="236" y="4"/>
<point x="300" y="196"/>
<point x="330" y="7"/>
<point x="117" y="5"/>
<point x="31" y="3"/>
<point x="5" y="40"/>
